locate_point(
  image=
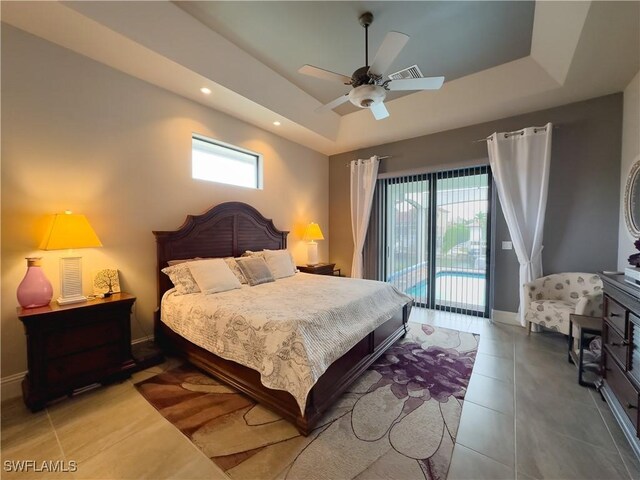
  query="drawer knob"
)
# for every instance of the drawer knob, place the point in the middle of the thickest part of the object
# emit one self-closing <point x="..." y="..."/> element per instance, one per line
<point x="631" y="406"/>
<point x="624" y="343"/>
<point x="613" y="314"/>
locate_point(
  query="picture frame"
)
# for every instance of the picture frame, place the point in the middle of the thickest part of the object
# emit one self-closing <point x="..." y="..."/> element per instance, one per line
<point x="106" y="281"/>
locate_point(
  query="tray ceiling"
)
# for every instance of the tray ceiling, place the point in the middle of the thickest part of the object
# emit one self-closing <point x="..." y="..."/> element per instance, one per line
<point x="453" y="39"/>
<point x="500" y="58"/>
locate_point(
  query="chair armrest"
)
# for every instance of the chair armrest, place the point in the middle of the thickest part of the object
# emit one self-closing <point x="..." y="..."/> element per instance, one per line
<point x="590" y="305"/>
<point x="531" y="289"/>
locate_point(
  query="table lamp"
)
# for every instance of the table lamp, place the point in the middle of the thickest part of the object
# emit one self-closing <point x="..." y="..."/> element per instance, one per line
<point x="69" y="231"/>
<point x="311" y="234"/>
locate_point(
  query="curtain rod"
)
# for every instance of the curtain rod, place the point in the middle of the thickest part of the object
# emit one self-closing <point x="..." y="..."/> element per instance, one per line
<point x="516" y="132"/>
<point x="383" y="157"/>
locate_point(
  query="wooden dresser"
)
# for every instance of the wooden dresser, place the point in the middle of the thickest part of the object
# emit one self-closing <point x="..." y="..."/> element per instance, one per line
<point x="621" y="354"/>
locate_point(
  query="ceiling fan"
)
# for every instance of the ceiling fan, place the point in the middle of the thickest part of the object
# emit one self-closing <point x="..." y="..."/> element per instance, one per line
<point x="369" y="86"/>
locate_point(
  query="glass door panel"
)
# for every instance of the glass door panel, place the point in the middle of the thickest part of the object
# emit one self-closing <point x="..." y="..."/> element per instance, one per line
<point x="461" y="240"/>
<point x="407" y="235"/>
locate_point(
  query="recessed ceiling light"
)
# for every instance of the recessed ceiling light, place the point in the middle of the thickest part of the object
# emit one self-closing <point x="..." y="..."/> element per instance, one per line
<point x="276" y="123"/>
<point x="205" y="90"/>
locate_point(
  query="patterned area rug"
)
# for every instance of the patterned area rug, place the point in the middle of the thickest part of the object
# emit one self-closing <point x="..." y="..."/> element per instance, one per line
<point x="398" y="421"/>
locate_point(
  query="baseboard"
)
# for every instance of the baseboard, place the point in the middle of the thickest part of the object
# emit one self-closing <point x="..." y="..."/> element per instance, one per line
<point x="508" y="318"/>
<point x="148" y="338"/>
<point x="10" y="386"/>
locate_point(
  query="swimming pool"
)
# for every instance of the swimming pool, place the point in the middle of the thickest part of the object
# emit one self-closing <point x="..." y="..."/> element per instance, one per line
<point x="454" y="288"/>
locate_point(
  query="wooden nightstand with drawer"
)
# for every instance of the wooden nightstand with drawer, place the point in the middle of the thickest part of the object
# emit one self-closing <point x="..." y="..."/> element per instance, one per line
<point x="73" y="346"/>
<point x="319" y="269"/>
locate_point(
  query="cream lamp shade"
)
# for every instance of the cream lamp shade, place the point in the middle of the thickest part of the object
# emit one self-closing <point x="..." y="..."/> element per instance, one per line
<point x="69" y="231"/>
<point x="311" y="234"/>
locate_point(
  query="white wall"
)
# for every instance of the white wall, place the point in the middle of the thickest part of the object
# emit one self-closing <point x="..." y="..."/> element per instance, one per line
<point x="630" y="152"/>
<point x="81" y="136"/>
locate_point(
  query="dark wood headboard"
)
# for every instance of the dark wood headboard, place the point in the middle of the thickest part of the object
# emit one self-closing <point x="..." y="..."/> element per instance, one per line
<point x="227" y="230"/>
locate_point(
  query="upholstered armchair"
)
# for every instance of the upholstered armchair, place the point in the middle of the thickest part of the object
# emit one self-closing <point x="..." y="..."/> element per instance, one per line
<point x="550" y="300"/>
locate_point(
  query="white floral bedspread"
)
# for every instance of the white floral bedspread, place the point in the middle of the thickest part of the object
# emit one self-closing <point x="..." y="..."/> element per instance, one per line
<point x="289" y="330"/>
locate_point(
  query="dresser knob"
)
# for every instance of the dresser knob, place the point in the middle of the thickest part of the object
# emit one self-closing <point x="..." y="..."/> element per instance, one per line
<point x="624" y="343"/>
<point x="613" y="314"/>
<point x="631" y="406"/>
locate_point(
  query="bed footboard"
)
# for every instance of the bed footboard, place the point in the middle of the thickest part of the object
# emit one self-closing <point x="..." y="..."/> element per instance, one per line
<point x="325" y="392"/>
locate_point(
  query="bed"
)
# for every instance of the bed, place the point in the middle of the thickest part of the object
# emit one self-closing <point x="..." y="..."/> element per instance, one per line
<point x="228" y="230"/>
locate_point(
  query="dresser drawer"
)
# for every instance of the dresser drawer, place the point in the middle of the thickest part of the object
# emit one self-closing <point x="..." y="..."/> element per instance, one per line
<point x="85" y="366"/>
<point x="617" y="346"/>
<point x="82" y="338"/>
<point x="615" y="314"/>
<point x="634" y="340"/>
<point x="623" y="389"/>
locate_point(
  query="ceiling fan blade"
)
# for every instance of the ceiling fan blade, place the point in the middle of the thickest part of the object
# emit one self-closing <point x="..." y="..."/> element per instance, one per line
<point x="334" y="103"/>
<point x="387" y="53"/>
<point x="379" y="111"/>
<point x="427" y="83"/>
<point x="324" y="74"/>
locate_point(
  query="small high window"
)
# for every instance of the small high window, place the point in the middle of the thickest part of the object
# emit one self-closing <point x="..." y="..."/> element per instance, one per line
<point x="219" y="162"/>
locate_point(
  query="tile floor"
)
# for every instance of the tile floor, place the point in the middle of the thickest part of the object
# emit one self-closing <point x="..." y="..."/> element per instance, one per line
<point x="524" y="417"/>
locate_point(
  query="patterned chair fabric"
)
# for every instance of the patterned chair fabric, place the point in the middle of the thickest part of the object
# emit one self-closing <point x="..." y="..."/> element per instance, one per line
<point x="551" y="299"/>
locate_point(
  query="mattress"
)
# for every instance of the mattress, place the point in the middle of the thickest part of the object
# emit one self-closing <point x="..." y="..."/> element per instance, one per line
<point x="290" y="330"/>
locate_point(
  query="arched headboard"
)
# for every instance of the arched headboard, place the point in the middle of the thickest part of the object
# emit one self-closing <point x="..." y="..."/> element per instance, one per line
<point x="226" y="230"/>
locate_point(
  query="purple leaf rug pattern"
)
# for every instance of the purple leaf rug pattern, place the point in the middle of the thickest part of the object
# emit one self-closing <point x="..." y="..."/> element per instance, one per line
<point x="398" y="420"/>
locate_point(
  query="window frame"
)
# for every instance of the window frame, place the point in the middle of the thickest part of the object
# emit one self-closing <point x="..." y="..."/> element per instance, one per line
<point x="217" y="143"/>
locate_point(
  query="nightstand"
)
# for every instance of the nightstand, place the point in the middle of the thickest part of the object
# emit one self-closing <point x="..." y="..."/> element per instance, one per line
<point x="73" y="346"/>
<point x="319" y="269"/>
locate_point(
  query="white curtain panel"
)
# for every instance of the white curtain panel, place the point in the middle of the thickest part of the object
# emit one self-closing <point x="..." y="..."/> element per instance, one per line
<point x="520" y="164"/>
<point x="364" y="174"/>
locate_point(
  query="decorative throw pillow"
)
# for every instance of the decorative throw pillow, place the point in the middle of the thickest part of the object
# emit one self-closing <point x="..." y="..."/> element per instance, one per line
<point x="182" y="279"/>
<point x="280" y="263"/>
<point x="233" y="266"/>
<point x="255" y="270"/>
<point x="213" y="276"/>
<point x="185" y="260"/>
<point x="251" y="253"/>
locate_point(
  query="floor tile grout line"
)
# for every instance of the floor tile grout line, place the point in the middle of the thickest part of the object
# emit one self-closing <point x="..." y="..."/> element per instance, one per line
<point x="492" y="409"/>
<point x="493" y="378"/>
<point x="562" y="434"/>
<point x="484" y="455"/>
<point x="105" y="449"/>
<point x="580" y="440"/>
<point x="614" y="441"/>
<point x="55" y="433"/>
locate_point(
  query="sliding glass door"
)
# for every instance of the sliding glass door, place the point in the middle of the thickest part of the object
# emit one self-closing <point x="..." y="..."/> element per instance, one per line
<point x="407" y="235"/>
<point x="431" y="233"/>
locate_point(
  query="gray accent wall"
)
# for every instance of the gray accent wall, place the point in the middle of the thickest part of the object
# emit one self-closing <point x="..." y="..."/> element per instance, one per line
<point x="581" y="227"/>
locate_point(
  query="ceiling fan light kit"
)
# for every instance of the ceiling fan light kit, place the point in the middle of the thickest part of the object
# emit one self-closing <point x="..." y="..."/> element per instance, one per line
<point x="369" y="89"/>
<point x="365" y="96"/>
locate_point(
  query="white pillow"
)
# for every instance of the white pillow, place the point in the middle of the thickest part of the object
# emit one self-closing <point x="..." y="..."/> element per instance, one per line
<point x="280" y="263"/>
<point x="213" y="276"/>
